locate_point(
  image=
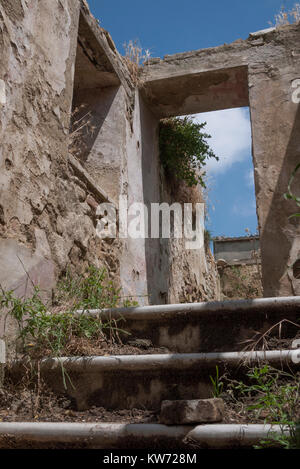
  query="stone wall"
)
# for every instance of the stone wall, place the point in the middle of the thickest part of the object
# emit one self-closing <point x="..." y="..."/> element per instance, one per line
<point x="47" y="200"/>
<point x="38" y="49"/>
<point x="193" y="274"/>
<point x="242" y="281"/>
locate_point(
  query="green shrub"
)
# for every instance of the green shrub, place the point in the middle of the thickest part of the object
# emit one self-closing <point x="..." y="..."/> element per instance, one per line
<point x="183" y="149"/>
<point x="276" y="393"/>
<point x="91" y="290"/>
<point x="40" y="330"/>
<point x="217" y="384"/>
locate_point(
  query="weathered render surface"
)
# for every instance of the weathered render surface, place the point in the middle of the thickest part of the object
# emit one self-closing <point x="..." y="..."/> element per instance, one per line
<point x="259" y="72"/>
<point x="47" y="200"/>
<point x="57" y="66"/>
<point x="37" y="51"/>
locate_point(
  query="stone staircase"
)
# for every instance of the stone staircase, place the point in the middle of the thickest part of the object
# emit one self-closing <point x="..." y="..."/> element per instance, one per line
<point x="196" y="338"/>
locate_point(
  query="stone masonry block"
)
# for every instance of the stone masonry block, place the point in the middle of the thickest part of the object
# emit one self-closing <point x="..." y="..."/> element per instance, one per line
<point x="192" y="411"/>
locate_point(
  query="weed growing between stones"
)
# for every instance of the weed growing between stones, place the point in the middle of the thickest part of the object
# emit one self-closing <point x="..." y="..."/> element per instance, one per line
<point x="81" y="129"/>
<point x="135" y="56"/>
<point x="266" y="394"/>
<point x="43" y="333"/>
<point x="217" y="384"/>
<point x="273" y="396"/>
<point x="285" y="17"/>
<point x="92" y="290"/>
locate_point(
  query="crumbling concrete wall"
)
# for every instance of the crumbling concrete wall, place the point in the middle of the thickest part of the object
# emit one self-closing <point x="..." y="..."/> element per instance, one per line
<point x="193" y="275"/>
<point x="47" y="200"/>
<point x="261" y="72"/>
<point x="275" y="118"/>
<point x="37" y="52"/>
<point x="55" y="59"/>
<point x="133" y="263"/>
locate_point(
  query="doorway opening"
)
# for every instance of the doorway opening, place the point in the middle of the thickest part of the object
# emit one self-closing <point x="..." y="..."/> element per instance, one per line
<point x="231" y="221"/>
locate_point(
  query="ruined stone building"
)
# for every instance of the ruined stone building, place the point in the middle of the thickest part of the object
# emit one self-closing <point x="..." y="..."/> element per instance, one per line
<point x="239" y="266"/>
<point x="57" y="61"/>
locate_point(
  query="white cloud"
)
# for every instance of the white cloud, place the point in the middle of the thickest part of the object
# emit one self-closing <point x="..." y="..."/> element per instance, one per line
<point x="230" y="137"/>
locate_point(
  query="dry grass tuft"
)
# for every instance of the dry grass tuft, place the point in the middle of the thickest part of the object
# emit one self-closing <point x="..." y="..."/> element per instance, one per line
<point x="82" y="129"/>
<point x="285" y="17"/>
<point x="135" y="56"/>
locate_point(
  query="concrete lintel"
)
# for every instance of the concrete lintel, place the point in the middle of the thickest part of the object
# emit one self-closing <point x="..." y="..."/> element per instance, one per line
<point x="206" y="90"/>
<point x="177" y="84"/>
<point x="101" y="50"/>
<point x="201" y="60"/>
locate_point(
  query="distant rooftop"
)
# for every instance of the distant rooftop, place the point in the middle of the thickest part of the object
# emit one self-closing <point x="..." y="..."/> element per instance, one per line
<point x="239" y="250"/>
<point x="224" y="239"/>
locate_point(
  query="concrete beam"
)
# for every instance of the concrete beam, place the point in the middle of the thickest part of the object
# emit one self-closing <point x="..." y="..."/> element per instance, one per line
<point x="96" y="46"/>
<point x="210" y="79"/>
<point x="199" y="92"/>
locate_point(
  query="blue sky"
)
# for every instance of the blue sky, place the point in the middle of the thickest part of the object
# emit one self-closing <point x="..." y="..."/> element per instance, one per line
<point x="171" y="26"/>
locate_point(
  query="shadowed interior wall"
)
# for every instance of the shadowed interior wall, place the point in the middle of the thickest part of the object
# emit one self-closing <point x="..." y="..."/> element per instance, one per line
<point x="174" y="273"/>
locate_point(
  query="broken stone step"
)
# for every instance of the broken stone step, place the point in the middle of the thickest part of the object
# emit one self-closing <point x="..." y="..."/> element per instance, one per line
<point x="135" y="436"/>
<point x="219" y="326"/>
<point x="191" y="412"/>
<point x="144" y="381"/>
